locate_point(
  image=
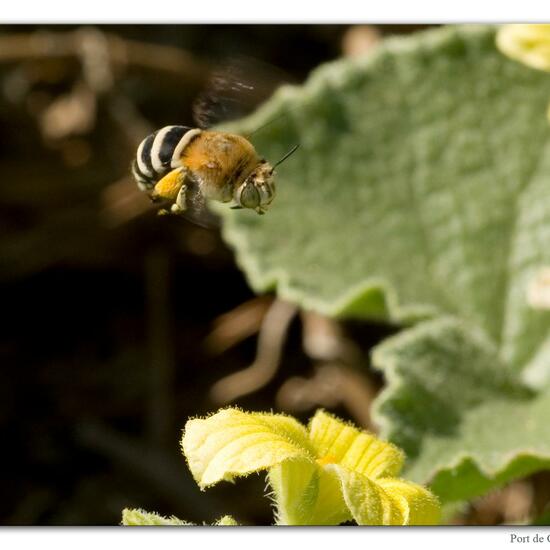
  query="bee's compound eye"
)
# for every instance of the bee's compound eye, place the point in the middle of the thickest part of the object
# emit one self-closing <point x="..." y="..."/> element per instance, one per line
<point x="248" y="196"/>
<point x="267" y="192"/>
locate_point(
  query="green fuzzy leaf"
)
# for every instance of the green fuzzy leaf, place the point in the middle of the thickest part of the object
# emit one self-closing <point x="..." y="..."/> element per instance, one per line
<point x="467" y="422"/>
<point x="422" y="189"/>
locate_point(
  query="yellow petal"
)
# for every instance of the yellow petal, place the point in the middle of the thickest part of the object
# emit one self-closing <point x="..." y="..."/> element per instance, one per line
<point x="367" y="502"/>
<point x="234" y="443"/>
<point x="337" y="442"/>
<point x="305" y="494"/>
<point x="295" y="485"/>
<point x="418" y="505"/>
<point x="529" y="44"/>
<point x="330" y="508"/>
<point x="137" y="517"/>
<point x="386" y="501"/>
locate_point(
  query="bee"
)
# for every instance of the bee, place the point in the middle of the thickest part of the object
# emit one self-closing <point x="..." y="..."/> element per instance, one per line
<point x="182" y="166"/>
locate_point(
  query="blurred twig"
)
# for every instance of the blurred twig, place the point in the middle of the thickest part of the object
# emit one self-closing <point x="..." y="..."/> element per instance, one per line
<point x="337" y="380"/>
<point x="236" y="325"/>
<point x="541" y="493"/>
<point x="150" y="465"/>
<point x="270" y="343"/>
<point x="32" y="506"/>
<point x="122" y="52"/>
<point x="68" y="114"/>
<point x="510" y="505"/>
<point x="332" y="385"/>
<point x="160" y="417"/>
<point x="122" y="202"/>
<point x="323" y="340"/>
<point x="359" y="39"/>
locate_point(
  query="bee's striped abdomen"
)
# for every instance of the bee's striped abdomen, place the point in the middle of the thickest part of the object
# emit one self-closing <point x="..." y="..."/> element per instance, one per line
<point x="159" y="153"/>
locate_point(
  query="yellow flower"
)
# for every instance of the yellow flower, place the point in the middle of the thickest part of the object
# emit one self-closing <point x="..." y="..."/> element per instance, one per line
<point x="529" y="44"/>
<point x="325" y="474"/>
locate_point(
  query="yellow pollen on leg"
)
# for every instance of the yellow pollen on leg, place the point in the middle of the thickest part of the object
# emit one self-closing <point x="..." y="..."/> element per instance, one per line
<point x="168" y="187"/>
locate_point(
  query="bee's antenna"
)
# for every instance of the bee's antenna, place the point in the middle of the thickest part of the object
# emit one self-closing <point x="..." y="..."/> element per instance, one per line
<point x="286" y="156"/>
<point x="267" y="124"/>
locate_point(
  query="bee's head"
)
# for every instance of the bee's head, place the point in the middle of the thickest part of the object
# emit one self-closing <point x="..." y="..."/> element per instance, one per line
<point x="257" y="190"/>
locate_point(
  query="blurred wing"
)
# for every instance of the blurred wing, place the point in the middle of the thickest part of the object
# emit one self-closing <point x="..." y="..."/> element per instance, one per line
<point x="197" y="210"/>
<point x="235" y="88"/>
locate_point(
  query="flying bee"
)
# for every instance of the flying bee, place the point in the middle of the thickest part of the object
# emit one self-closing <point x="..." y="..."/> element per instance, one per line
<point x="183" y="166"/>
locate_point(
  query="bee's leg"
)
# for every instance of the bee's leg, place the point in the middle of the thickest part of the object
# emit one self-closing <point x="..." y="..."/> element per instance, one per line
<point x="180" y="205"/>
<point x="172" y="187"/>
<point x="168" y="186"/>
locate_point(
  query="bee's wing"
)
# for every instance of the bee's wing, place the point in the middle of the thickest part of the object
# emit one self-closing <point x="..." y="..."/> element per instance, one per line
<point x="235" y="88"/>
<point x="197" y="210"/>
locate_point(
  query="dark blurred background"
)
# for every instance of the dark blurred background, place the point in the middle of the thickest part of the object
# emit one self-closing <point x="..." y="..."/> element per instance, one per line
<point x="119" y="324"/>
